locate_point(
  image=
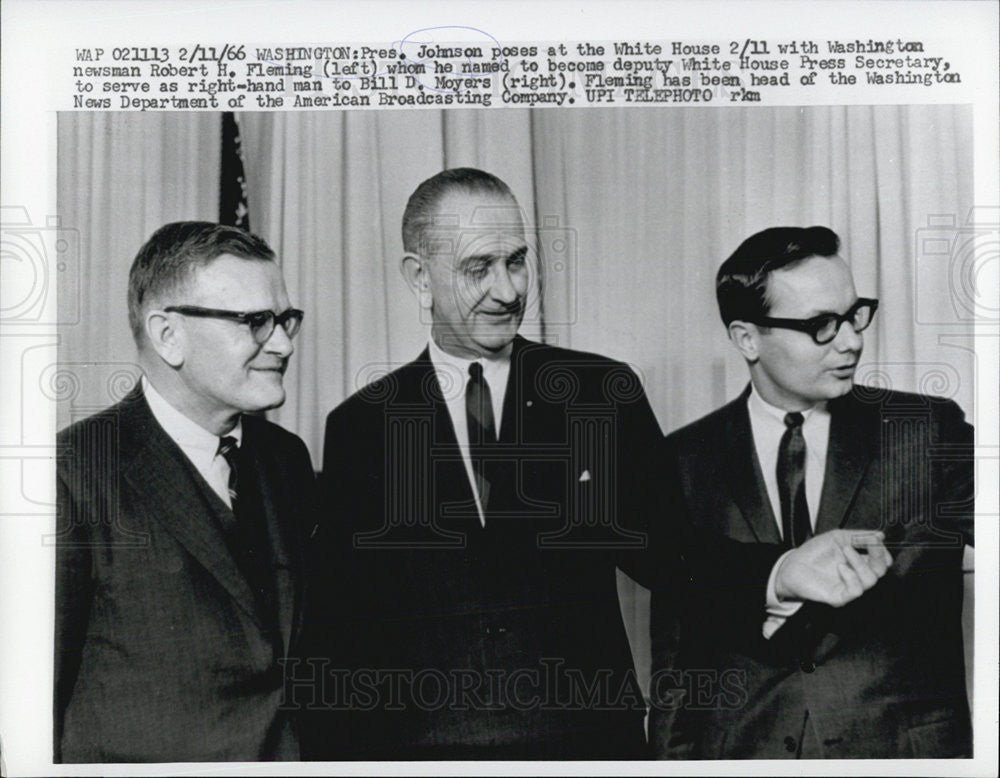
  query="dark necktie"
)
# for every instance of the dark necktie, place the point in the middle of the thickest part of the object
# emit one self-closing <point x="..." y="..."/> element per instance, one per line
<point x="482" y="429"/>
<point x="229" y="449"/>
<point x="795" y="523"/>
<point x="247" y="535"/>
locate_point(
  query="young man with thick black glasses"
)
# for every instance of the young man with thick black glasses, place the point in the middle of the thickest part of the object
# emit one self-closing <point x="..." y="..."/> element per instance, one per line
<point x="801" y="456"/>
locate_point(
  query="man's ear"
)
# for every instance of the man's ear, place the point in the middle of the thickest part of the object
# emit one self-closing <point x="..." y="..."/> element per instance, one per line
<point x="165" y="337"/>
<point x="418" y="278"/>
<point x="746" y="337"/>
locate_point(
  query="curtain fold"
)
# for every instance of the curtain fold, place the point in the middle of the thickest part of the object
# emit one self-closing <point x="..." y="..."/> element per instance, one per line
<point x="121" y="176"/>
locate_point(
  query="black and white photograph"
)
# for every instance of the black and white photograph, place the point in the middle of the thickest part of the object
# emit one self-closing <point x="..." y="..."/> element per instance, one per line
<point x="459" y="432"/>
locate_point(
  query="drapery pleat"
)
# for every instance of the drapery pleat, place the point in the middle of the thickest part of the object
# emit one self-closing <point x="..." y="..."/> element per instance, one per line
<point x="121" y="176"/>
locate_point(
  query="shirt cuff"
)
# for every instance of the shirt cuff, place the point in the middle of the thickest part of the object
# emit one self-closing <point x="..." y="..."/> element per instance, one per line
<point x="777" y="610"/>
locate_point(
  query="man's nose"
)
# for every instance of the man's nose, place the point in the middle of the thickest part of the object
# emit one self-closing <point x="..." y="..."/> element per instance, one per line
<point x="848" y="339"/>
<point x="502" y="284"/>
<point x="279" y="343"/>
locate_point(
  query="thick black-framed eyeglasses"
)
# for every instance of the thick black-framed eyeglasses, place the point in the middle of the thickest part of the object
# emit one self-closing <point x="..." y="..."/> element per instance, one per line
<point x="261" y="323"/>
<point x="824" y="328"/>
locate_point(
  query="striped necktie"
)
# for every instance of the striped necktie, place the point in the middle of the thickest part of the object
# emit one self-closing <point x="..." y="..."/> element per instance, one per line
<point x="229" y="449"/>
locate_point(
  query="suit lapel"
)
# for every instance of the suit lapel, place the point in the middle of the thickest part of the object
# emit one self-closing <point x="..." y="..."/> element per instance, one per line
<point x="847" y="458"/>
<point x="171" y="489"/>
<point x="453" y="503"/>
<point x="515" y="393"/>
<point x="507" y="503"/>
<point x="281" y="535"/>
<point x="747" y="483"/>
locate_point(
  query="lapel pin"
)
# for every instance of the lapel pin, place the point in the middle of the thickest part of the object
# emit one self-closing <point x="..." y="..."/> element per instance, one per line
<point x="584" y="476"/>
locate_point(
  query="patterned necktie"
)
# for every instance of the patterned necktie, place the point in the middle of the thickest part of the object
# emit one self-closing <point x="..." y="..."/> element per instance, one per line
<point x="230" y="450"/>
<point x="246" y="534"/>
<point x="795" y="523"/>
<point x="482" y="429"/>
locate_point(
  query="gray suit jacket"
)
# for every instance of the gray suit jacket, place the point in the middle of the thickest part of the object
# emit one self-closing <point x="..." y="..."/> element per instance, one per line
<point x="163" y="653"/>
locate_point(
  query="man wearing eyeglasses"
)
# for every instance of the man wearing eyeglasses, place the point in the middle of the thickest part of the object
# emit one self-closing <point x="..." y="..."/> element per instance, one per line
<point x="181" y="519"/>
<point x="803" y="458"/>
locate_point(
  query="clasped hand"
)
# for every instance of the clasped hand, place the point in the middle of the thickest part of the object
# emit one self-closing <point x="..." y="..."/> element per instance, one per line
<point x="833" y="568"/>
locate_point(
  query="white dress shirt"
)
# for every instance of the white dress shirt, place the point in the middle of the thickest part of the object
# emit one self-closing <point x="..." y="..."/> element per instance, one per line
<point x="767" y="425"/>
<point x="198" y="444"/>
<point x="452" y="376"/>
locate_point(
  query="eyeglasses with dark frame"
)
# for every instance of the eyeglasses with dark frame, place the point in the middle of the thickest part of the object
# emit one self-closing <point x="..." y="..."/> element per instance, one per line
<point x="824" y="328"/>
<point x="261" y="323"/>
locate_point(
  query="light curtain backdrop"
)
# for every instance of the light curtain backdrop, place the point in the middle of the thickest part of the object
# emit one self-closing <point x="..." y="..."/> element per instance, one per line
<point x="635" y="209"/>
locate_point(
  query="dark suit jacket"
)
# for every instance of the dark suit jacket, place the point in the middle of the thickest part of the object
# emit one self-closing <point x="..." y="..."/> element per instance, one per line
<point x="162" y="651"/>
<point x="880" y="677"/>
<point x="508" y="640"/>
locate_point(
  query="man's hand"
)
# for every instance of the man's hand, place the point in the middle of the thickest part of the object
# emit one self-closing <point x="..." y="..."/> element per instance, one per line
<point x="833" y="568"/>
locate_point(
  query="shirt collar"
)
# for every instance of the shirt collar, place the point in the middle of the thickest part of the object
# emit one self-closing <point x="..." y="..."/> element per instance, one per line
<point x="493" y="366"/>
<point x="188" y="434"/>
<point x="763" y="409"/>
